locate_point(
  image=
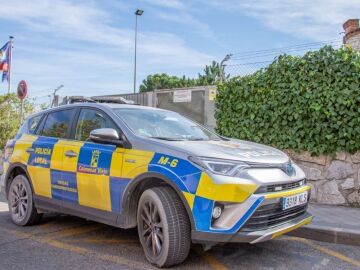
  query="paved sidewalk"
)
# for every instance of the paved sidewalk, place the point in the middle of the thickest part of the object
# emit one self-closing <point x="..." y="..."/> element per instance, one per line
<point x="334" y="224"/>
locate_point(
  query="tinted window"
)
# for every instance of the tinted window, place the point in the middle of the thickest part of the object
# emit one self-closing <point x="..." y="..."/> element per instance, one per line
<point x="30" y="125"/>
<point x="57" y="124"/>
<point x="90" y="120"/>
<point x="23" y="129"/>
<point x="33" y="123"/>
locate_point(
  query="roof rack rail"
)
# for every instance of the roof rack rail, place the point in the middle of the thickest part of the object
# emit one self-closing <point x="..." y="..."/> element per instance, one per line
<point x="99" y="99"/>
<point x="79" y="99"/>
<point x="118" y="100"/>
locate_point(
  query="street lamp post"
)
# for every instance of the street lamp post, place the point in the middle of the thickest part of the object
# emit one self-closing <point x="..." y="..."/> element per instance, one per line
<point x="138" y="12"/>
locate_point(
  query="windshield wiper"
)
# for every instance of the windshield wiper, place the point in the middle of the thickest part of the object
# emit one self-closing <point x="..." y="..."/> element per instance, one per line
<point x="164" y="138"/>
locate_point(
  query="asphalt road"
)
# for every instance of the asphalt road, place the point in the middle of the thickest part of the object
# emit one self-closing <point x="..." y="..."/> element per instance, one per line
<point x="65" y="242"/>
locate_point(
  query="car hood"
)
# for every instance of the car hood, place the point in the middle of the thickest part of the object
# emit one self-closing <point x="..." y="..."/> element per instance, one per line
<point x="233" y="150"/>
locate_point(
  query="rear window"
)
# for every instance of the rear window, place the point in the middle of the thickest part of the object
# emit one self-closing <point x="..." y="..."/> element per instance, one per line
<point x="30" y="126"/>
<point x="33" y="124"/>
<point x="57" y="124"/>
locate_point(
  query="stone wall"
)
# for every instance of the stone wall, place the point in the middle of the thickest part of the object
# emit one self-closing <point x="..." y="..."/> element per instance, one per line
<point x="334" y="179"/>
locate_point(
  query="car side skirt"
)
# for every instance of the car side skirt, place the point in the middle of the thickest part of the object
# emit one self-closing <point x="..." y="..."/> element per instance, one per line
<point x="44" y="204"/>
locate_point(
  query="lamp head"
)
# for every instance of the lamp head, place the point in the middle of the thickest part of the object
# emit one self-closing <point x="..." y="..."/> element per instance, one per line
<point x="139" y="12"/>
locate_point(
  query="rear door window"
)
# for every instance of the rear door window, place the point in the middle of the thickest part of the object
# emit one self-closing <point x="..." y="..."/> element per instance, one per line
<point x="57" y="124"/>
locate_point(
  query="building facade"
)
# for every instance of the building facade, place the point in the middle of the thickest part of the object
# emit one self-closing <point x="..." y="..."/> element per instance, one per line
<point x="352" y="34"/>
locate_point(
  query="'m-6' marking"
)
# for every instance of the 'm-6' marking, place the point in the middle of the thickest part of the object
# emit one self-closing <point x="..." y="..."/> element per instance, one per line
<point x="166" y="161"/>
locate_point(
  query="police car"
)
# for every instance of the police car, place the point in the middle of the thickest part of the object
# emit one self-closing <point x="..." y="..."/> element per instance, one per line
<point x="133" y="166"/>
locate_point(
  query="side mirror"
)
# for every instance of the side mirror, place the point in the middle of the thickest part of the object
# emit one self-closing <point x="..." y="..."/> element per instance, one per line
<point x="107" y="136"/>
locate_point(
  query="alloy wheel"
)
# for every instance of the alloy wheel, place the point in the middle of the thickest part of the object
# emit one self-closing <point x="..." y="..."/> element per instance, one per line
<point x="151" y="228"/>
<point x="18" y="198"/>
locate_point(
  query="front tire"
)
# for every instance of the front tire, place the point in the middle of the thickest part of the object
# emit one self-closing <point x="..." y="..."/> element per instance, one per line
<point x="163" y="226"/>
<point x="21" y="203"/>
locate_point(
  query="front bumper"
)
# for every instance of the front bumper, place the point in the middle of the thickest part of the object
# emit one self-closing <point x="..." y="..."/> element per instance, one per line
<point x="254" y="236"/>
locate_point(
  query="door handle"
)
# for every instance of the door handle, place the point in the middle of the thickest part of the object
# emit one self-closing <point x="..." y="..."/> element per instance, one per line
<point x="30" y="150"/>
<point x="70" y="154"/>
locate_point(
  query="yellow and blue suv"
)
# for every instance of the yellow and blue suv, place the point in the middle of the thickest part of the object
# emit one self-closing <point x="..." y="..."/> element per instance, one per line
<point x="133" y="166"/>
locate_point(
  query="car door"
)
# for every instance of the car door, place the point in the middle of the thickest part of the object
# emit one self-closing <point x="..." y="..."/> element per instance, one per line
<point x="97" y="166"/>
<point x="46" y="155"/>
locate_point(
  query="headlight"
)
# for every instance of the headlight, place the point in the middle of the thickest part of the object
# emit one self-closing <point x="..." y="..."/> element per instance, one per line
<point x="220" y="166"/>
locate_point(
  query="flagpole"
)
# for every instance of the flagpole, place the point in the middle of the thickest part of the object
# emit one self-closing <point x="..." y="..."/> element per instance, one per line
<point x="10" y="64"/>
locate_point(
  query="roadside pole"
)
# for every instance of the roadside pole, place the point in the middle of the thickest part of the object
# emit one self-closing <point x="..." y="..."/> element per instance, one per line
<point x="21" y="111"/>
<point x="10" y="63"/>
<point x="21" y="93"/>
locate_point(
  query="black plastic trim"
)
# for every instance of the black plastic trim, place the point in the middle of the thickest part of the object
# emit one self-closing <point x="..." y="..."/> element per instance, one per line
<point x="50" y="205"/>
<point x="129" y="190"/>
<point x="11" y="168"/>
<point x="239" y="237"/>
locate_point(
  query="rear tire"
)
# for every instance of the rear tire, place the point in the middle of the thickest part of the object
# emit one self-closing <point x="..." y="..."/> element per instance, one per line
<point x="163" y="226"/>
<point x="21" y="204"/>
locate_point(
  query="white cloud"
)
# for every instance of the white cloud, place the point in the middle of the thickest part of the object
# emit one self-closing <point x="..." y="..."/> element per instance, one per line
<point x="185" y="18"/>
<point x="79" y="43"/>
<point x="313" y="19"/>
<point x="89" y="23"/>
<point x="176" y="4"/>
<point x="66" y="19"/>
<point x="166" y="46"/>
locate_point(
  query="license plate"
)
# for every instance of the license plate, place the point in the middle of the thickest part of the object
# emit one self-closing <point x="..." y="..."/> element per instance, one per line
<point x="295" y="200"/>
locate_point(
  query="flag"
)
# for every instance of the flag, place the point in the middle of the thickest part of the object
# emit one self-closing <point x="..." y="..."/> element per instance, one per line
<point x="5" y="61"/>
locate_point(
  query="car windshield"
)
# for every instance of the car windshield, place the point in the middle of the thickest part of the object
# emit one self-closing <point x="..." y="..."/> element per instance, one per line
<point x="164" y="125"/>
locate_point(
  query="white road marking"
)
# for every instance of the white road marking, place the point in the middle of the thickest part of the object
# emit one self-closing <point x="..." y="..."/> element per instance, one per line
<point x="4" y="207"/>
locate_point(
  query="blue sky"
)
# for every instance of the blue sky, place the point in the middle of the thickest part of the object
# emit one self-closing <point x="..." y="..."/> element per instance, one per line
<point x="88" y="46"/>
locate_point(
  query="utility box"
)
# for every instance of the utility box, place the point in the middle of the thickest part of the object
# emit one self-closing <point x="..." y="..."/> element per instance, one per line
<point x="197" y="103"/>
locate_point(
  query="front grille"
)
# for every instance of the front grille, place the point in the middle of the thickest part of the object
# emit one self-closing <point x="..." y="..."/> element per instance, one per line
<point x="271" y="215"/>
<point x="280" y="187"/>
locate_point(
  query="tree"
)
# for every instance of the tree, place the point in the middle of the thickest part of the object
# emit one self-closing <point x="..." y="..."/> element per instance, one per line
<point x="9" y="115"/>
<point x="212" y="75"/>
<point x="165" y="81"/>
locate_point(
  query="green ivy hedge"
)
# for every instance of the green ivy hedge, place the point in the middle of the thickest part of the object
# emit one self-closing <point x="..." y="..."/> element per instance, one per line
<point x="309" y="103"/>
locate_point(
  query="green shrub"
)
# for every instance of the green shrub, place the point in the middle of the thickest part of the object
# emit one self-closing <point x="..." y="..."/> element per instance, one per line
<point x="309" y="103"/>
<point x="9" y="116"/>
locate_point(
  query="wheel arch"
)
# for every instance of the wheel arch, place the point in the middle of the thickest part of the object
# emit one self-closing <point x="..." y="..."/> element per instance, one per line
<point x="138" y="185"/>
<point x="14" y="170"/>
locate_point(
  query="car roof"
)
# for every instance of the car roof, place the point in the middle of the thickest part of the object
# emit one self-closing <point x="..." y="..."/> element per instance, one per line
<point x="97" y="105"/>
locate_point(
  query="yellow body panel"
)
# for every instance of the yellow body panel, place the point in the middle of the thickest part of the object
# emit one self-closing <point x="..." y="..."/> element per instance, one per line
<point x="223" y="192"/>
<point x="57" y="157"/>
<point x="135" y="163"/>
<point x="287" y="192"/>
<point x="94" y="191"/>
<point x="19" y="153"/>
<point x="70" y="163"/>
<point x="41" y="180"/>
<point x="116" y="163"/>
<point x="189" y="198"/>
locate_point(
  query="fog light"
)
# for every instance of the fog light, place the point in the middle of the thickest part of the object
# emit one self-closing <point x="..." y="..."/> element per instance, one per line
<point x="216" y="213"/>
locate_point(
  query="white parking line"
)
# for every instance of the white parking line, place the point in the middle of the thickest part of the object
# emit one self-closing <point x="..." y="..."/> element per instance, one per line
<point x="4" y="207"/>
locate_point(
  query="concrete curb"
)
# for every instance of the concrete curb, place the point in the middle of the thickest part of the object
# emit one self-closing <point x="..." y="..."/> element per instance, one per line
<point x="329" y="234"/>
